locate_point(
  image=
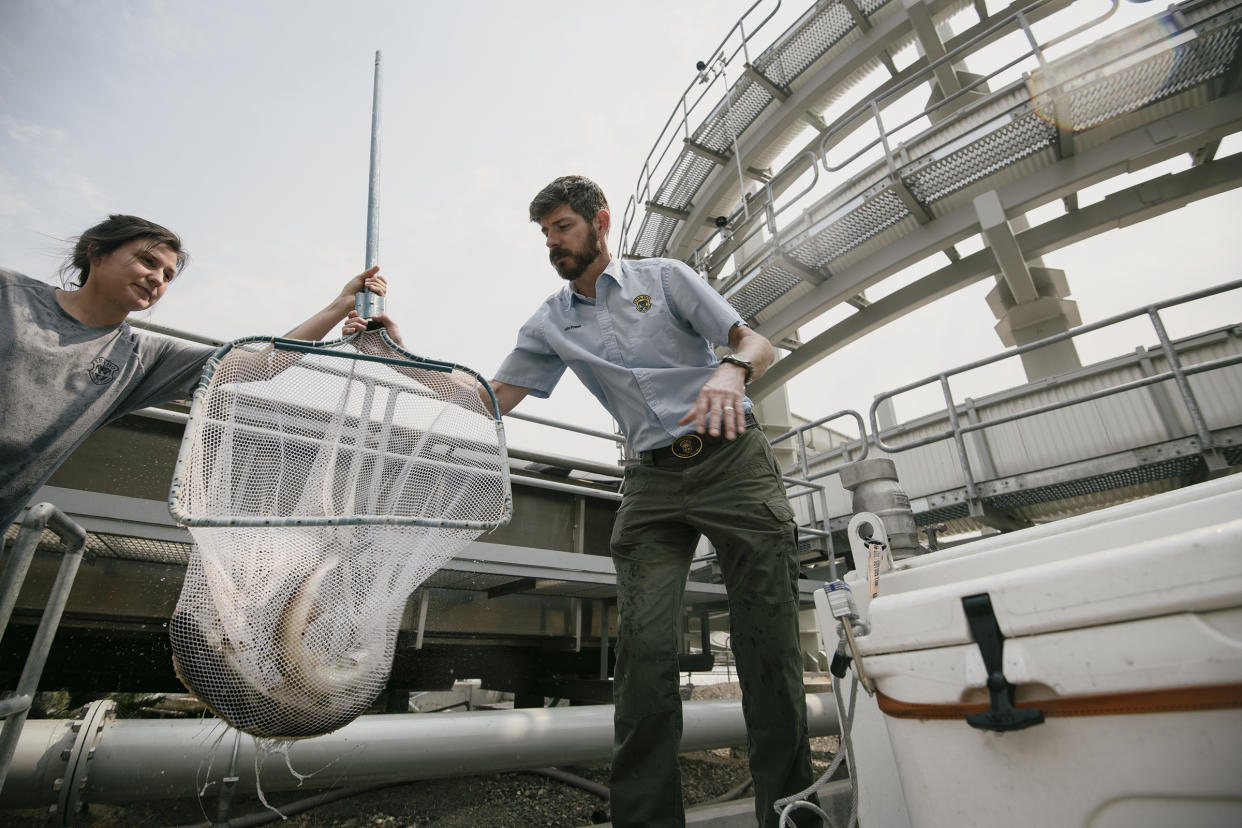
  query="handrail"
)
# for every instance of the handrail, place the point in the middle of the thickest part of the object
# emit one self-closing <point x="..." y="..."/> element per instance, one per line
<point x="590" y="432"/>
<point x="769" y="211"/>
<point x="800" y="433"/>
<point x="181" y="418"/>
<point x="41" y="516"/>
<point x="1176" y="372"/>
<point x="176" y="333"/>
<point x="870" y="108"/>
<point x="870" y="105"/>
<point x="819" y="489"/>
<point x="673" y="125"/>
<point x="730" y="243"/>
<point x="949" y="58"/>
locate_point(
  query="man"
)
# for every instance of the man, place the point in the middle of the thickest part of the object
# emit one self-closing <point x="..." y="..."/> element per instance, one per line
<point x="638" y="334"/>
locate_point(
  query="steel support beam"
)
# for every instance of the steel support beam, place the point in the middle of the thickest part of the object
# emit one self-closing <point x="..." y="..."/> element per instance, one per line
<point x="1123" y="208"/>
<point x="933" y="48"/>
<point x="777" y="91"/>
<point x="798" y="269"/>
<point x="864" y="25"/>
<point x="703" y="152"/>
<point x="1139" y="148"/>
<point x="663" y="210"/>
<point x="999" y="237"/>
<point x="761" y="136"/>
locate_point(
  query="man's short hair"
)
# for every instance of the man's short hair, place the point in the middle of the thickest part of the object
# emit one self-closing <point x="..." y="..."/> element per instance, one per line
<point x="582" y="195"/>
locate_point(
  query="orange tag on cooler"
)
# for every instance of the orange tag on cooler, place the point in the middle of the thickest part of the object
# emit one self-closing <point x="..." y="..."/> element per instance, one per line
<point x="875" y="552"/>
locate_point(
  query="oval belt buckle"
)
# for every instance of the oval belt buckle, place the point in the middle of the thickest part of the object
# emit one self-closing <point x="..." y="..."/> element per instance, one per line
<point x="687" y="446"/>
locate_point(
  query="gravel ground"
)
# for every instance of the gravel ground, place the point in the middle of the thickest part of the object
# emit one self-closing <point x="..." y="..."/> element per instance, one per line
<point x="506" y="800"/>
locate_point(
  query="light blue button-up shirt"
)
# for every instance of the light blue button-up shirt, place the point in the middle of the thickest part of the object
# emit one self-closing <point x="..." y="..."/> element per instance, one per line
<point x="642" y="346"/>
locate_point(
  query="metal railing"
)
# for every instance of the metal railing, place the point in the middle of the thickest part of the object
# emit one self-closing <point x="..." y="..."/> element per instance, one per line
<point x="813" y="491"/>
<point x="529" y="455"/>
<point x="711" y="71"/>
<point x="16" y="708"/>
<point x="1176" y="372"/>
<point x="742" y="224"/>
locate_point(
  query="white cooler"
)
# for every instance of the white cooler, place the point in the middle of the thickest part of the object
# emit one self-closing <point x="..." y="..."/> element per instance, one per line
<point x="1123" y="627"/>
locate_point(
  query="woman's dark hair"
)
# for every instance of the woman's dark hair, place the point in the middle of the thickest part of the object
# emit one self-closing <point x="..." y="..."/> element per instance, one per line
<point x="582" y="194"/>
<point x="114" y="232"/>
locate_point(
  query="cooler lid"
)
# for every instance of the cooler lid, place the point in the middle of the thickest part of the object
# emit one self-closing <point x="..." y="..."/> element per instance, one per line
<point x="1170" y="553"/>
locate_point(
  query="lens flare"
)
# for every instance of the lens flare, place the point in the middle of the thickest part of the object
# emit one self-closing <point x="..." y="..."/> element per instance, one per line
<point x="1121" y="73"/>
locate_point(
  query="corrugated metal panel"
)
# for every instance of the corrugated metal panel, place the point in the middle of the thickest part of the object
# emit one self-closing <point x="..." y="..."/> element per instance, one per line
<point x="1218" y="392"/>
<point x="1063" y="436"/>
<point x="931" y="468"/>
<point x="1002" y="456"/>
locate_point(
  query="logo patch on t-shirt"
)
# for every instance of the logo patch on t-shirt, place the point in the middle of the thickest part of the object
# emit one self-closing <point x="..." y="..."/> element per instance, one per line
<point x="642" y="303"/>
<point x="103" y="371"/>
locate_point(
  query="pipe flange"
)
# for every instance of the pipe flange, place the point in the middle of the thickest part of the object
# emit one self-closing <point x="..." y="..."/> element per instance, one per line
<point x="71" y="804"/>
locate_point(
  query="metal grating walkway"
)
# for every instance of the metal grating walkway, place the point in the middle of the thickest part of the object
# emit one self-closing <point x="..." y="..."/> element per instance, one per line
<point x="769" y="79"/>
<point x="782" y="257"/>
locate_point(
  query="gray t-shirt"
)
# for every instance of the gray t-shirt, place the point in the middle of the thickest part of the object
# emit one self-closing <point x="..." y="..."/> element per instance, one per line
<point x="60" y="380"/>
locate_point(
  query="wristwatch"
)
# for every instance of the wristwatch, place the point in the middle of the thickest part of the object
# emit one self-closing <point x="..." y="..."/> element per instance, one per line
<point x="741" y="362"/>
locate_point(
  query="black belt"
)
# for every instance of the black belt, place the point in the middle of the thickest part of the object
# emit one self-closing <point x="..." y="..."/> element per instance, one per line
<point x="689" y="448"/>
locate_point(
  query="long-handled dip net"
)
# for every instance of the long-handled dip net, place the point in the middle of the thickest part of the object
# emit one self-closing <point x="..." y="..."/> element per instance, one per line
<point x="322" y="483"/>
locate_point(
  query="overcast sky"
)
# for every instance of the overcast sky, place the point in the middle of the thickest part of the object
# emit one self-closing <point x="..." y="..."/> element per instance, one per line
<point x="245" y="127"/>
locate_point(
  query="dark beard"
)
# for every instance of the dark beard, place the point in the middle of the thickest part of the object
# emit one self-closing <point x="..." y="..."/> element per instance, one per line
<point x="577" y="263"/>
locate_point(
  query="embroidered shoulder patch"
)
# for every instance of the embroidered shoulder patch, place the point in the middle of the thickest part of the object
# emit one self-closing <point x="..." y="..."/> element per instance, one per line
<point x="642" y="303"/>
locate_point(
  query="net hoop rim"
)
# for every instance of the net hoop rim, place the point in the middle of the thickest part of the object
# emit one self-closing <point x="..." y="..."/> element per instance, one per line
<point x="284" y="343"/>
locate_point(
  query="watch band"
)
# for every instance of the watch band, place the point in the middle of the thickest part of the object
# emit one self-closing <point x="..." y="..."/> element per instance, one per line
<point x="742" y="363"/>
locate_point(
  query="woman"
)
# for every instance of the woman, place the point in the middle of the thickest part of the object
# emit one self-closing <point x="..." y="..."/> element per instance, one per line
<point x="69" y="363"/>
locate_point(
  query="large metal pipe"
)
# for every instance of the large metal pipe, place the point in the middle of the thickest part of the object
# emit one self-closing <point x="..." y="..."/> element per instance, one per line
<point x="100" y="759"/>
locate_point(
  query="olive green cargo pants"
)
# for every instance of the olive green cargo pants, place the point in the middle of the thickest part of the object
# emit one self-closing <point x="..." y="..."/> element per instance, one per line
<point x="734" y="496"/>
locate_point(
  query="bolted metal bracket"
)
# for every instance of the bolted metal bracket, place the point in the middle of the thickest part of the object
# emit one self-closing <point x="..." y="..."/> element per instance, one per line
<point x="71" y="803"/>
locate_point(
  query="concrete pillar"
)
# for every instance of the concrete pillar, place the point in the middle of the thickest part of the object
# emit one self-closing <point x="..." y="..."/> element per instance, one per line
<point x="1029" y="300"/>
<point x="1049" y="313"/>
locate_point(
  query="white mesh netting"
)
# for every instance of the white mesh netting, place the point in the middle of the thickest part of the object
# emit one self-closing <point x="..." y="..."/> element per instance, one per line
<point x="322" y="485"/>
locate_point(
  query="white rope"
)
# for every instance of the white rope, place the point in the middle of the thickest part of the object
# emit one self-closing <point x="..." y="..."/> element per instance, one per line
<point x="786" y="806"/>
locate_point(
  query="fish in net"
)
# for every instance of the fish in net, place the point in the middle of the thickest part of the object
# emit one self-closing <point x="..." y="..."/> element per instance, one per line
<point x="322" y="483"/>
